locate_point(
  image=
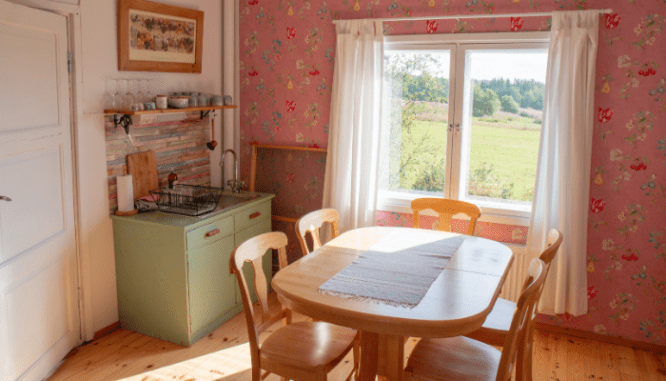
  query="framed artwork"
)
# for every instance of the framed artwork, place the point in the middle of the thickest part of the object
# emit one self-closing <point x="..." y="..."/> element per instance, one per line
<point x="159" y="37"/>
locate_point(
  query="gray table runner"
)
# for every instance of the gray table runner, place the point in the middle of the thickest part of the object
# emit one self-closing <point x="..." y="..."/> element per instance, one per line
<point x="395" y="271"/>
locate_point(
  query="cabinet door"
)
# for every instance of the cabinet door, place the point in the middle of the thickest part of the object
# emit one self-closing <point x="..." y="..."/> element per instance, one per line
<point x="210" y="283"/>
<point x="261" y="227"/>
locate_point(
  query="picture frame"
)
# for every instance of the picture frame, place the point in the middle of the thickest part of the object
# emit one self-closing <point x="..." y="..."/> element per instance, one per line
<point x="159" y="37"/>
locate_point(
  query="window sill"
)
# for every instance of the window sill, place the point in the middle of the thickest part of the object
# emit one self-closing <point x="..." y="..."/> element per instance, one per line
<point x="490" y="212"/>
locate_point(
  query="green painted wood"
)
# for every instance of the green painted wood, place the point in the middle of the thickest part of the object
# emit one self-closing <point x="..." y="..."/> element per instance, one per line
<point x="151" y="280"/>
<point x="168" y="292"/>
<point x="210" y="233"/>
<point x="260" y="227"/>
<point x="211" y="283"/>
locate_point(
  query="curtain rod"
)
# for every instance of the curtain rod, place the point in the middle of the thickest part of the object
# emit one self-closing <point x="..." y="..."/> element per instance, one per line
<point x="482" y="16"/>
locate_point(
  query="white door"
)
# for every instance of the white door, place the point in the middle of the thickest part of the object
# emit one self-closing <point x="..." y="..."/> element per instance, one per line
<point x="39" y="318"/>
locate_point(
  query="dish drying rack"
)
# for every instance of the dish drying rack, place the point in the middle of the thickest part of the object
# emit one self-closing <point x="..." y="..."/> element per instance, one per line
<point x="190" y="200"/>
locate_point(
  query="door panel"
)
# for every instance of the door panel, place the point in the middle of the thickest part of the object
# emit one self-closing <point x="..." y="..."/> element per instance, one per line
<point x="29" y="77"/>
<point x="34" y="181"/>
<point x="37" y="297"/>
<point x="39" y="317"/>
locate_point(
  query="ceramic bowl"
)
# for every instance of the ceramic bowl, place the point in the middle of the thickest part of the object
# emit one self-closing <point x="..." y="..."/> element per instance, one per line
<point x="179" y="102"/>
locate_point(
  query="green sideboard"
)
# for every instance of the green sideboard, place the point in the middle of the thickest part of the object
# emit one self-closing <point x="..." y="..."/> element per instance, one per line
<point x="172" y="271"/>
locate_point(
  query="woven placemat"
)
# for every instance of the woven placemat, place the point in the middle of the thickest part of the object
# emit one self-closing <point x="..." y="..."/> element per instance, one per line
<point x="395" y="271"/>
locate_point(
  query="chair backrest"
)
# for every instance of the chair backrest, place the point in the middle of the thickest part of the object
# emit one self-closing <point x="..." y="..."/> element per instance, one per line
<point x="554" y="240"/>
<point x="311" y="223"/>
<point x="253" y="251"/>
<point x="446" y="209"/>
<point x="518" y="336"/>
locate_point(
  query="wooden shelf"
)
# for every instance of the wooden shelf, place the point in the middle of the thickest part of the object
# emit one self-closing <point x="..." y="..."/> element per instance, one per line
<point x="168" y="111"/>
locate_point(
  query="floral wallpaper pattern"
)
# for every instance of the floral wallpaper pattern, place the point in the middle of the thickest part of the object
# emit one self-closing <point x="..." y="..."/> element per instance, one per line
<point x="287" y="58"/>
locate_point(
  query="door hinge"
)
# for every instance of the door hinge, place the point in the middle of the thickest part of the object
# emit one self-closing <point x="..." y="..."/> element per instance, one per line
<point x="69" y="62"/>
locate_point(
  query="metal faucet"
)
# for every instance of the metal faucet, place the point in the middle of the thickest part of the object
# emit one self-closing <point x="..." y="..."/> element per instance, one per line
<point x="234" y="184"/>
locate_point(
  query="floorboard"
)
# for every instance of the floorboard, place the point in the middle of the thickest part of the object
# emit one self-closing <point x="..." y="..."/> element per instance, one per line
<point x="224" y="355"/>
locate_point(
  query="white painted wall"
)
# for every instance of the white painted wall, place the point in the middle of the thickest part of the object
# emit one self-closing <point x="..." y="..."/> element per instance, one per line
<point x="100" y="61"/>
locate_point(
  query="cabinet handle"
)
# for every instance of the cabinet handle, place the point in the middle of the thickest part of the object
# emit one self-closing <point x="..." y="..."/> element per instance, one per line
<point x="212" y="232"/>
<point x="255" y="215"/>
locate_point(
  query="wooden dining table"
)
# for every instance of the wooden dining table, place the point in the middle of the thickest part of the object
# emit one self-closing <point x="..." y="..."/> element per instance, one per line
<point x="456" y="303"/>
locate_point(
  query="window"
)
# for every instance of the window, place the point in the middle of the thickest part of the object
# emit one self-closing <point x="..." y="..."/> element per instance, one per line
<point x="463" y="121"/>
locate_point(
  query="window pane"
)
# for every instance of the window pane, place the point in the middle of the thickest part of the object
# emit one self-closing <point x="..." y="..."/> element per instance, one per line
<point x="502" y="115"/>
<point x="414" y="141"/>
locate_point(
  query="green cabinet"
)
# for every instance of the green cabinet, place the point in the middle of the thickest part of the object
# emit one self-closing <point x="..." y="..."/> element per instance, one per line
<point x="172" y="271"/>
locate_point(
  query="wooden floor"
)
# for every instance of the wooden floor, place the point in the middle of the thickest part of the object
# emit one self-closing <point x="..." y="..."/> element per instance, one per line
<point x="224" y="355"/>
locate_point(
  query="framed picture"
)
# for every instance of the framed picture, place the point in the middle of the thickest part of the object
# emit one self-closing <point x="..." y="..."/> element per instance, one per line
<point x="159" y="37"/>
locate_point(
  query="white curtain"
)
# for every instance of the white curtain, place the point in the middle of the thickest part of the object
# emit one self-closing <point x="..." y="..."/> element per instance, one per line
<point x="561" y="194"/>
<point x="350" y="184"/>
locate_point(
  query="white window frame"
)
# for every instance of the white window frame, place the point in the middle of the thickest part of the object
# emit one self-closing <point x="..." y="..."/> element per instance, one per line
<point x="490" y="211"/>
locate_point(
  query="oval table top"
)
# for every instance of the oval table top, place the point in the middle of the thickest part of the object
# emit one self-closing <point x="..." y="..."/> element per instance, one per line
<point x="456" y="303"/>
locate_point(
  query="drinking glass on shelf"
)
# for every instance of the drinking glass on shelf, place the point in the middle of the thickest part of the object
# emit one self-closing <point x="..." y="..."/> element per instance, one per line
<point x="111" y="99"/>
<point x="147" y="94"/>
<point x="139" y="94"/>
<point x="121" y="91"/>
<point x="128" y="98"/>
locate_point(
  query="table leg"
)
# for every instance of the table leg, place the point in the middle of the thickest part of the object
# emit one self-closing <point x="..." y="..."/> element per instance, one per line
<point x="369" y="351"/>
<point x="391" y="357"/>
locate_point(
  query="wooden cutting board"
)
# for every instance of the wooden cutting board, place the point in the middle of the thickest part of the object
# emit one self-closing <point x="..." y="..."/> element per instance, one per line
<point x="143" y="168"/>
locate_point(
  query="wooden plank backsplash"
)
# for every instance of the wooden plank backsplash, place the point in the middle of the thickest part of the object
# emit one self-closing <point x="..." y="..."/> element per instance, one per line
<point x="180" y="147"/>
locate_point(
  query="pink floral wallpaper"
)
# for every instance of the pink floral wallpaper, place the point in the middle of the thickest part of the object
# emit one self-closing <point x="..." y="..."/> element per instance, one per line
<point x="287" y="57"/>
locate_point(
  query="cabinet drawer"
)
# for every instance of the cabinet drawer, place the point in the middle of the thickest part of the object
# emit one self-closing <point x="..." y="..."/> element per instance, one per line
<point x="251" y="216"/>
<point x="210" y="233"/>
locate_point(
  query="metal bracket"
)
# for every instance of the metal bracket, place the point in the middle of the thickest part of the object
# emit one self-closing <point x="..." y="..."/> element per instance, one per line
<point x="124" y="120"/>
<point x="204" y="113"/>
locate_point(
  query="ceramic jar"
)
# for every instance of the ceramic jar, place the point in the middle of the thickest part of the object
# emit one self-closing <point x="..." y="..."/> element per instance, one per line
<point x="161" y="102"/>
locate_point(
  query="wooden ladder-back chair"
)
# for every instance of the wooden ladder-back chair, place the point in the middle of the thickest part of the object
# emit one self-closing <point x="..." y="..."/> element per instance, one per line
<point x="446" y="209"/>
<point x="298" y="351"/>
<point x="498" y="323"/>
<point x="461" y="358"/>
<point x="311" y="223"/>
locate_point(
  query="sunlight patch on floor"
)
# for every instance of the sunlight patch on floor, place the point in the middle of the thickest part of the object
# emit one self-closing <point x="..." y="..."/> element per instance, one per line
<point x="228" y="364"/>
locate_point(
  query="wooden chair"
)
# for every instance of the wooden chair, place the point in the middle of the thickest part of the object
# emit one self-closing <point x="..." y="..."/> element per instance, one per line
<point x="446" y="209"/>
<point x="461" y="358"/>
<point x="311" y="223"/>
<point x="298" y="351"/>
<point x="498" y="323"/>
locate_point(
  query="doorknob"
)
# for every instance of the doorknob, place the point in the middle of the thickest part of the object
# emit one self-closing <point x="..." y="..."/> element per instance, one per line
<point x="5" y="198"/>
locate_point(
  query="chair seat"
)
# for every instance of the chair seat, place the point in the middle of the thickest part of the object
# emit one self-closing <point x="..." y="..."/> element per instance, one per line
<point x="311" y="345"/>
<point x="497" y="324"/>
<point x="454" y="358"/>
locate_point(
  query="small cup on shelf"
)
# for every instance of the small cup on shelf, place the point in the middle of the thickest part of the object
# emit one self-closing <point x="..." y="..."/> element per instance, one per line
<point x="217" y="100"/>
<point x="203" y="99"/>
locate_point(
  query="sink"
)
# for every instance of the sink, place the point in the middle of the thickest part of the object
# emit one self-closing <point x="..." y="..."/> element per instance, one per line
<point x="231" y="200"/>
